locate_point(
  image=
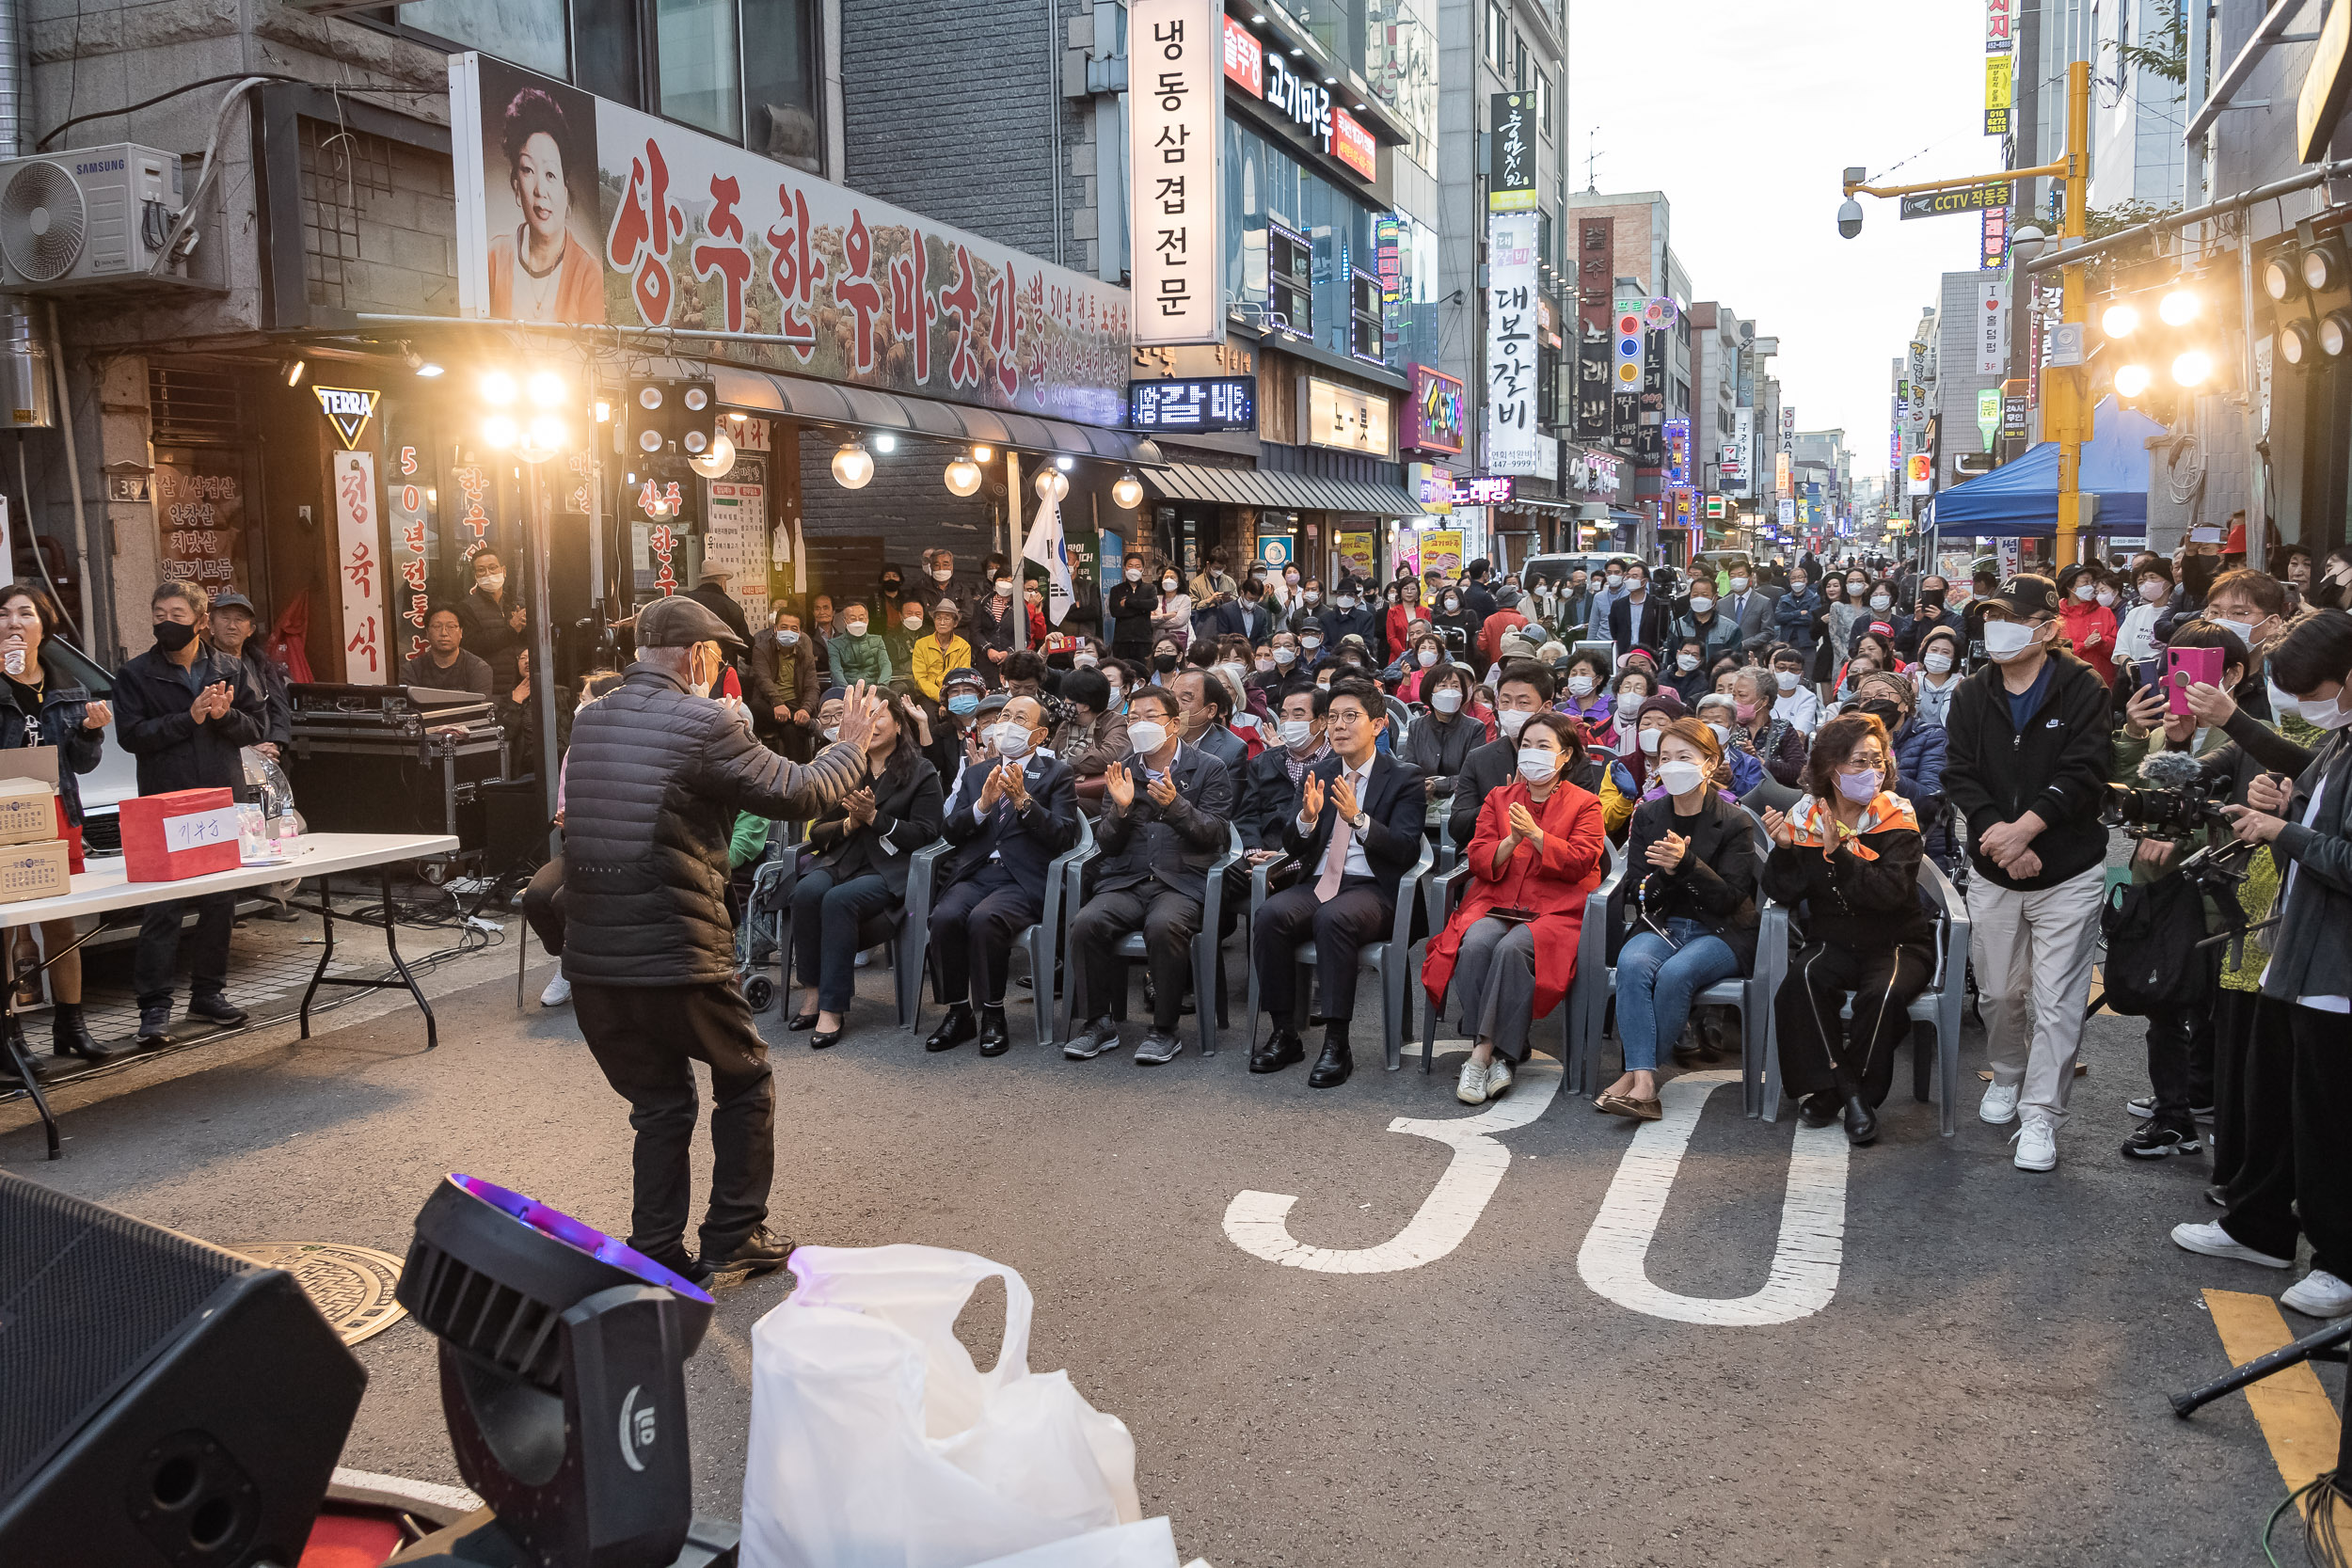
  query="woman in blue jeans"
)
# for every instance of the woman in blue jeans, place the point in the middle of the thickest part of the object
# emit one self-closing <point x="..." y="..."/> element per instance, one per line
<point x="860" y="850"/>
<point x="1690" y="905"/>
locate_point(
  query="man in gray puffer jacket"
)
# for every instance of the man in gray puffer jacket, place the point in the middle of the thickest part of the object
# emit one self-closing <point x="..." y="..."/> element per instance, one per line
<point x="657" y="773"/>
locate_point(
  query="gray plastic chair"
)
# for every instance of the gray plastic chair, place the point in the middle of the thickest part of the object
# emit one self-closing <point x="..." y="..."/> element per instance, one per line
<point x="1391" y="961"/>
<point x="1208" y="959"/>
<point x="1934" y="1012"/>
<point x="1038" y="943"/>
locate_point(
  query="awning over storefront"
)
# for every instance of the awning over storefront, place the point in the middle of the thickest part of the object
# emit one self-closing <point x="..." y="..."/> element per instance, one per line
<point x="1279" y="492"/>
<point x="2020" y="499"/>
<point x="794" y="397"/>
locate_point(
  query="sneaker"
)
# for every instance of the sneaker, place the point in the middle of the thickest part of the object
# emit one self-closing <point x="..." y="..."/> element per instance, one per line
<point x="2145" y="1107"/>
<point x="558" y="993"/>
<point x="1498" y="1077"/>
<point x="2318" y="1294"/>
<point x="761" y="1252"/>
<point x="1159" y="1047"/>
<point x="2155" y="1140"/>
<point x="2214" y="1241"/>
<point x="2000" y="1104"/>
<point x="1095" y="1038"/>
<point x="863" y="960"/>
<point x="1470" y="1088"/>
<point x="2037" y="1145"/>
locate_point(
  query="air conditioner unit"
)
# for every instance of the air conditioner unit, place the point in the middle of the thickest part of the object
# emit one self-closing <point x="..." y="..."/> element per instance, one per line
<point x="89" y="217"/>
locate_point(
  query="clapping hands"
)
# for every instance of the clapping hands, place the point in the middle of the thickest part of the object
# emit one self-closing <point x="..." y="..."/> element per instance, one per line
<point x="1120" y="786"/>
<point x="1779" y="829"/>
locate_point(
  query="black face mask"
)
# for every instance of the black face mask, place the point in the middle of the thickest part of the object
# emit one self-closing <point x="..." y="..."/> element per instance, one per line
<point x="1164" y="662"/>
<point x="170" y="636"/>
<point x="891" y="585"/>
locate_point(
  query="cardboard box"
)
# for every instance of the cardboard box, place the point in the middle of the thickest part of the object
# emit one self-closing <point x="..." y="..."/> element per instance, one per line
<point x="33" y="871"/>
<point x="187" y="833"/>
<point x="28" y="810"/>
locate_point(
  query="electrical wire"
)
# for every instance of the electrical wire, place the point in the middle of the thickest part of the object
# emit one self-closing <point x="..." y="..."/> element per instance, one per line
<point x="65" y="125"/>
<point x="2318" y="1504"/>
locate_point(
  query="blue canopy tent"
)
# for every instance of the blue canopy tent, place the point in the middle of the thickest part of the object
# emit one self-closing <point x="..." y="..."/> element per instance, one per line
<point x="2020" y="499"/>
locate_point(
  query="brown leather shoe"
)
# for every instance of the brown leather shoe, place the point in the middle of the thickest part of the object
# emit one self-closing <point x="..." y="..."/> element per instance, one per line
<point x="1629" y="1108"/>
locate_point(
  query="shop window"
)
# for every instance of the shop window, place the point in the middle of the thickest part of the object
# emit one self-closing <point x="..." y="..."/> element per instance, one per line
<point x="700" y="68"/>
<point x="342" y="172"/>
<point x="1498" y="37"/>
<point x="783" y="113"/>
<point x="529" y="33"/>
<point x="1543" y="101"/>
<point x="1290" y="261"/>
<point x="1365" y="337"/>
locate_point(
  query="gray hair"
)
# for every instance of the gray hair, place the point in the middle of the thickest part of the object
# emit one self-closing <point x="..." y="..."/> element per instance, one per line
<point x="187" y="592"/>
<point x="1716" y="699"/>
<point x="1758" y="680"/>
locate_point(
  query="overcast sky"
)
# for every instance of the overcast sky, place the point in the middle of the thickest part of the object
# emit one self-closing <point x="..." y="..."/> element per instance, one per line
<point x="1744" y="114"/>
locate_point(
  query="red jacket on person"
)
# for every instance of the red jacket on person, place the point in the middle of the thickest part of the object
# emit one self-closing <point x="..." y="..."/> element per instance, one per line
<point x="1553" y="882"/>
<point x="2090" y="629"/>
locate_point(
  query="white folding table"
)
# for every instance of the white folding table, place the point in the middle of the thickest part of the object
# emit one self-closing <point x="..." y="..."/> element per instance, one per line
<point x="104" y="889"/>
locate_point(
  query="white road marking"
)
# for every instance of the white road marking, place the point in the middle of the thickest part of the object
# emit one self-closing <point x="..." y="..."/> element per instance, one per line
<point x="1613" y="1260"/>
<point x="1258" y="1222"/>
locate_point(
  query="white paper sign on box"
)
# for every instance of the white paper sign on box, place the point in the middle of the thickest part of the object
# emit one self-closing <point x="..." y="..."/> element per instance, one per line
<point x="201" y="828"/>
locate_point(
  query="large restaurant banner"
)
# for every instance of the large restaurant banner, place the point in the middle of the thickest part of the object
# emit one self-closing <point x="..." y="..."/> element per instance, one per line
<point x="574" y="209"/>
<point x="1514" y="440"/>
<point x="367" y="641"/>
<point x="1175" y="108"/>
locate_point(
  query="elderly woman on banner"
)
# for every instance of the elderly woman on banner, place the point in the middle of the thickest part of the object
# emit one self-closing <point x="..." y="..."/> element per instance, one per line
<point x="1509" y="952"/>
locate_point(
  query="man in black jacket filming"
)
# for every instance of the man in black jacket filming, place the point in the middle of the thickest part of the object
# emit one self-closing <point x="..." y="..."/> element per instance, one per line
<point x="656" y="774"/>
<point x="2029" y="752"/>
<point x="186" y="712"/>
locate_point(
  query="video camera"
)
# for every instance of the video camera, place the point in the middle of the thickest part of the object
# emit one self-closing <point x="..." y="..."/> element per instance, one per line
<point x="2179" y="805"/>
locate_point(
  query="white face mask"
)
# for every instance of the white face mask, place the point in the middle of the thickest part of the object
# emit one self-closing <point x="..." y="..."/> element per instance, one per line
<point x="2153" y="592"/>
<point x="1115" y="701"/>
<point x="1285" y="655"/>
<point x="1134" y="573"/>
<point x="944" y="573"/>
<point x="1881" y="602"/>
<point x="1291" y="577"/>
<point x="1345" y="601"/>
<point x="1083" y="661"/>
<point x="1686" y="663"/>
<point x="1513" y="721"/>
<point x="1168" y="585"/>
<point x="1616" y="580"/>
<point x="1004" y="588"/>
<point x="1739" y="585"/>
<point x="1722" y="733"/>
<point x="1447" y="700"/>
<point x="1580" y="686"/>
<point x="1314" y="595"/>
<point x="1629" y="703"/>
<point x="1296" y="733"/>
<point x="1650" y="739"/>
<point x="1938" y="662"/>
<point x="2006" y="640"/>
<point x="1426" y="657"/>
<point x="789" y="638"/>
<point x="857" y="628"/>
<point x="1796" y="585"/>
<point x="833" y="733"/>
<point x="1451" y="605"/>
<point x="1265" y="666"/>
<point x="490" y="582"/>
<point x="1311" y="640"/>
<point x="1011" y="740"/>
<point x="1146" y="735"/>
<point x="2086" y="590"/>
<point x="912" y="623"/>
<point x="1785" y="679"/>
<point x="2245" y="629"/>
<point x="1700" y="605"/>
<point x="1537" y="766"/>
<point x="1681" y="778"/>
<point x="2105" y="597"/>
<point x="2325" y="712"/>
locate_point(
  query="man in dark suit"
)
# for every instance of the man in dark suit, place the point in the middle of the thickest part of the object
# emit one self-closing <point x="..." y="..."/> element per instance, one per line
<point x="1007" y="822"/>
<point x="1348" y="617"/>
<point x="1642" y="618"/>
<point x="1269" y="791"/>
<point x="1257" y="612"/>
<point x="1356" y="831"/>
<point x="1748" y="604"/>
<point x="1478" y="600"/>
<point x="1205" y="718"/>
<point x="1166" y="813"/>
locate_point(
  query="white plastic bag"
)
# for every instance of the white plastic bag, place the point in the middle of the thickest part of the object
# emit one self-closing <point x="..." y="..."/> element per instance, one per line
<point x="876" y="1443"/>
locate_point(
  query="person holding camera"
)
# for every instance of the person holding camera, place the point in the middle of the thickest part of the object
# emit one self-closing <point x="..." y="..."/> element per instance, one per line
<point x="2307" y="824"/>
<point x="2222" y="748"/>
<point x="2028" y="751"/>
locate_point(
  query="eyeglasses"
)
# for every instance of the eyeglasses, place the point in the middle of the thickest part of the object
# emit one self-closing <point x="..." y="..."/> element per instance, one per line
<point x="1863" y="762"/>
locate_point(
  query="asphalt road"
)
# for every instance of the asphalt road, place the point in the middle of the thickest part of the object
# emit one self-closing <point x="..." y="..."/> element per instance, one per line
<point x="1985" y="1384"/>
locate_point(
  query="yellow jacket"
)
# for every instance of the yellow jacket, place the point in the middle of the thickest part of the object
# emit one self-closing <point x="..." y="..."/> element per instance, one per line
<point x="932" y="663"/>
<point x="1616" y="808"/>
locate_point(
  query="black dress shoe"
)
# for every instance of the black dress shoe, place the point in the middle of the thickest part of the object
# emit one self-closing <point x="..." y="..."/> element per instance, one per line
<point x="1332" y="1068"/>
<point x="1818" y="1110"/>
<point x="155" y="1024"/>
<point x="823" y="1038"/>
<point x="69" y="1036"/>
<point x="761" y="1252"/>
<point x="953" y="1030"/>
<point x="805" y="1021"/>
<point x="1862" y="1125"/>
<point x="216" y="1008"/>
<point x="1279" y="1051"/>
<point x="994" y="1041"/>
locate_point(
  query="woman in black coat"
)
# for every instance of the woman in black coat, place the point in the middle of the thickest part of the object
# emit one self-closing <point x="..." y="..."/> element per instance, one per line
<point x="862" y="849"/>
<point x="41" y="706"/>
<point x="493" y="619"/>
<point x="1847" y="858"/>
<point x="1440" y="740"/>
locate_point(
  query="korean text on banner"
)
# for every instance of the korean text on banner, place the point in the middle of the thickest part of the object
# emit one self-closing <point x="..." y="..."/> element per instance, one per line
<point x="1174" y="107"/>
<point x="359" y="565"/>
<point x="1992" y="328"/>
<point x="1513" y="437"/>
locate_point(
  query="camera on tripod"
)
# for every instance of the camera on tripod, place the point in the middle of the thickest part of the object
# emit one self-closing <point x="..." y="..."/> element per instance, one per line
<point x="2179" y="804"/>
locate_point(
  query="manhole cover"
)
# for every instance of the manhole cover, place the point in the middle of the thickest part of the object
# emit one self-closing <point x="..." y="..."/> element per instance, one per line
<point x="351" y="1286"/>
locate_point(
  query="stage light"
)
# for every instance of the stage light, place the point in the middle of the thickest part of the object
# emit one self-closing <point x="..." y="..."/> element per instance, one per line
<point x="2120" y="321"/>
<point x="853" y="466"/>
<point x="428" y="370"/>
<point x="2279" y="274"/>
<point x="499" y="432"/>
<point x="2132" y="380"/>
<point x="603" y="412"/>
<point x="2320" y="272"/>
<point x="546" y="389"/>
<point x="963" y="476"/>
<point x="2179" y="307"/>
<point x="719" y="461"/>
<point x="498" y="388"/>
<point x="562" y="1364"/>
<point x="1065" y="464"/>
<point x="2335" y="334"/>
<point x="2295" y="343"/>
<point x="2192" y="368"/>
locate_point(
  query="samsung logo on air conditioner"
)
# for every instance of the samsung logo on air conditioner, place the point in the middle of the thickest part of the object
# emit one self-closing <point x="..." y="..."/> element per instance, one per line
<point x="101" y="166"/>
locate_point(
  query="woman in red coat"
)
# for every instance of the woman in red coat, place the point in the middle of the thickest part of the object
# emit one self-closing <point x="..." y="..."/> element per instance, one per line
<point x="1398" y="626"/>
<point x="1510" y="950"/>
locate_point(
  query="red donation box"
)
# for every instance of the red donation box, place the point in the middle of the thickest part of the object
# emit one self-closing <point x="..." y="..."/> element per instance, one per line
<point x="188" y="832"/>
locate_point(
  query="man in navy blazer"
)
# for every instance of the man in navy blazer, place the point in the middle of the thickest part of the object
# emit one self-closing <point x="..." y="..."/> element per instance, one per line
<point x="1356" y="831"/>
<point x="1007" y="821"/>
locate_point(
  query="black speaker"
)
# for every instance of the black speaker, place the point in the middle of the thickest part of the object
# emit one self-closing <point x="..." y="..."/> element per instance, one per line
<point x="161" y="1401"/>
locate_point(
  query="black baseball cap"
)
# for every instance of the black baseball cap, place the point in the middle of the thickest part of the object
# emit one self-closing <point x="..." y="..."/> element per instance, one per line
<point x="678" y="622"/>
<point x="2026" y="595"/>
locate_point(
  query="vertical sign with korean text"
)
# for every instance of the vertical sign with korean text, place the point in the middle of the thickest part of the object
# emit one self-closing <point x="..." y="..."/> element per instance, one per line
<point x="200" y="515"/>
<point x="735" y="538"/>
<point x="1511" y="152"/>
<point x="1175" y="102"/>
<point x="413" y="593"/>
<point x="1677" y="452"/>
<point x="1992" y="328"/>
<point x="360" y="569"/>
<point x="1513" y="439"/>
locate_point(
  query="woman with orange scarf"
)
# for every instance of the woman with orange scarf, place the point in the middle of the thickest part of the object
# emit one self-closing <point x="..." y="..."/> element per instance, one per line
<point x="1847" y="858"/>
<point x="1509" y="949"/>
